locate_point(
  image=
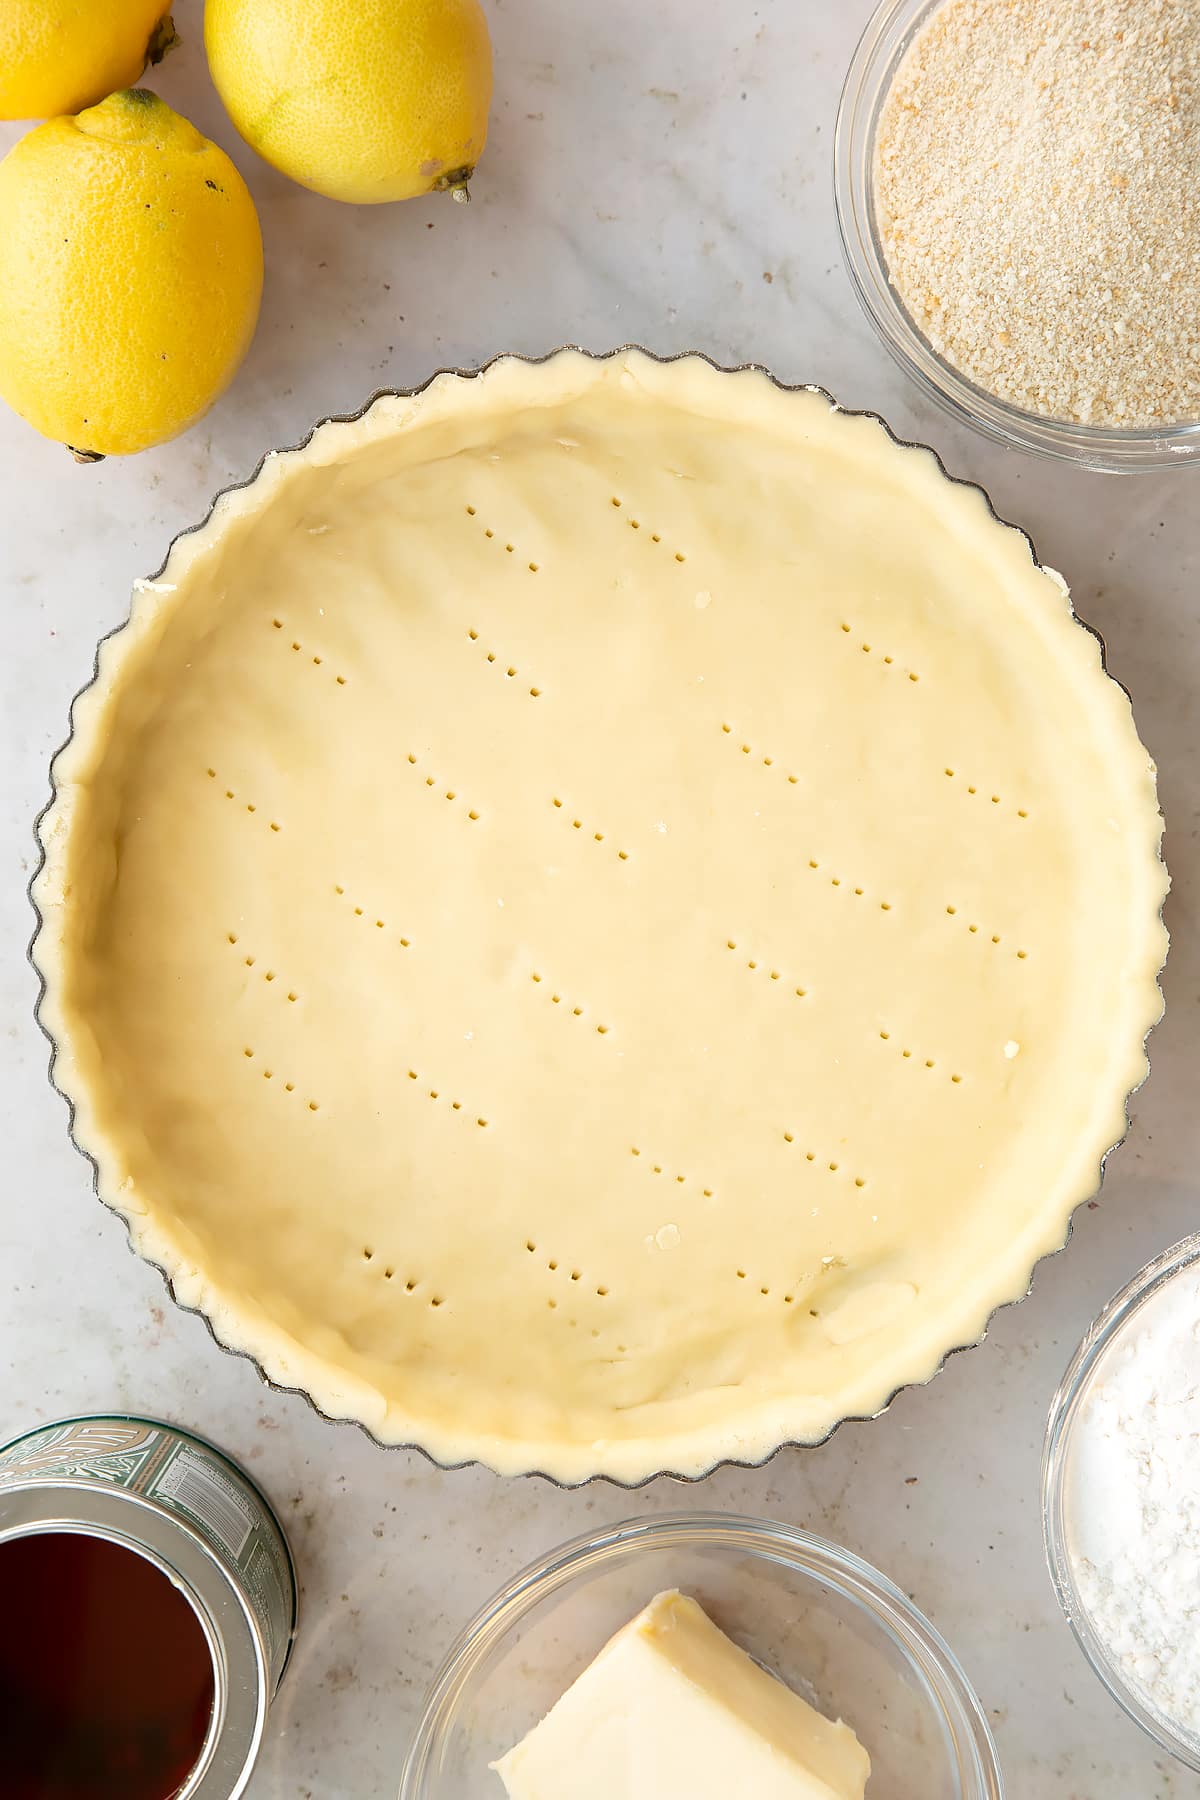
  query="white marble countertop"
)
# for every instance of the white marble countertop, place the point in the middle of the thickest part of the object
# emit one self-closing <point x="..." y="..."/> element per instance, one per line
<point x="658" y="173"/>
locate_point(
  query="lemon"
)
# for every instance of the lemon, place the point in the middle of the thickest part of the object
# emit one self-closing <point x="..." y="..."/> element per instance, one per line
<point x="363" y="103"/>
<point x="131" y="275"/>
<point x="57" y="56"/>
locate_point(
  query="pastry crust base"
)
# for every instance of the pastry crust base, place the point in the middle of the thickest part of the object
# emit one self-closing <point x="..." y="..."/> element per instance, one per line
<point x="600" y="917"/>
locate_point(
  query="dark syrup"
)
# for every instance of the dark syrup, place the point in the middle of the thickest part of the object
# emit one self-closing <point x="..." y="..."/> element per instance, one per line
<point x="106" y="1680"/>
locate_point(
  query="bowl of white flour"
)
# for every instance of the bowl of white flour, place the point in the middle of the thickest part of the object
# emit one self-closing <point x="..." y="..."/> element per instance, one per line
<point x="1121" y="1473"/>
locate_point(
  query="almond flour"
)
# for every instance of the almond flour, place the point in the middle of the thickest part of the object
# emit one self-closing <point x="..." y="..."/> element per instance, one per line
<point x="1037" y="190"/>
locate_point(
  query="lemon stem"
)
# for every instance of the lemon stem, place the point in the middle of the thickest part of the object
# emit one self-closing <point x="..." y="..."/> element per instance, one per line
<point x="454" y="181"/>
<point x="164" y="37"/>
<point x="86" y="456"/>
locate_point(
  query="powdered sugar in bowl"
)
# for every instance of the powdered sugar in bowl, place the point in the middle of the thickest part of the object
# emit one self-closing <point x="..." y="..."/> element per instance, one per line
<point x="1121" y="1495"/>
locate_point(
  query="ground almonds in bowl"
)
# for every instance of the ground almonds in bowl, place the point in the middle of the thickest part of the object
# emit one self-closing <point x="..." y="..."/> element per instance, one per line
<point x="1016" y="191"/>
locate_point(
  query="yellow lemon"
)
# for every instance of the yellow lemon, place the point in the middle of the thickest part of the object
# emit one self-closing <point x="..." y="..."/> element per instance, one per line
<point x="57" y="56"/>
<point x="364" y="103"/>
<point x="131" y="275"/>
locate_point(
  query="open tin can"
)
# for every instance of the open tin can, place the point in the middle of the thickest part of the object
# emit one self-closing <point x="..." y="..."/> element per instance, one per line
<point x="184" y="1508"/>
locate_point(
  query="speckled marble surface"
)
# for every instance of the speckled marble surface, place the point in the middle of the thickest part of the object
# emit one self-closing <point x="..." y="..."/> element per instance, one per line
<point x="656" y="173"/>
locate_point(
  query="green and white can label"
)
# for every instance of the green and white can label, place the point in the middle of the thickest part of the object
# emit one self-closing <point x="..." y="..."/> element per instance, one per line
<point x="180" y="1476"/>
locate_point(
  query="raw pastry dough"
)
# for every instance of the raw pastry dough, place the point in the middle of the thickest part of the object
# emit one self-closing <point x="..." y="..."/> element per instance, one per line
<point x="601" y="917"/>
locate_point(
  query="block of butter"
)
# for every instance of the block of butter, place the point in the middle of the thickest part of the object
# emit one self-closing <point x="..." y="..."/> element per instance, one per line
<point x="672" y="1710"/>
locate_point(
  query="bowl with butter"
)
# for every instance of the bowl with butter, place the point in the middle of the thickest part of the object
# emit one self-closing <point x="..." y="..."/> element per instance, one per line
<point x="701" y="1655"/>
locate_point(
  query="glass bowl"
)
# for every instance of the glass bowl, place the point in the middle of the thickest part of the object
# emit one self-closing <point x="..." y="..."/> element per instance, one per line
<point x="872" y="67"/>
<point x="1074" y="1390"/>
<point x="831" y="1626"/>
